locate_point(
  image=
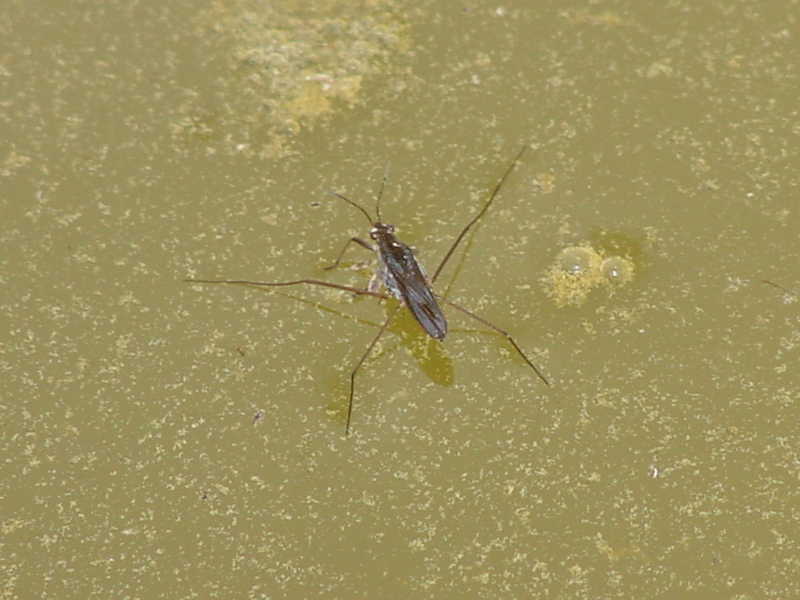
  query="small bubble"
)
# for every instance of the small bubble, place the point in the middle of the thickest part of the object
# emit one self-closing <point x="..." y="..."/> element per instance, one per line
<point x="576" y="260"/>
<point x="574" y="274"/>
<point x="617" y="270"/>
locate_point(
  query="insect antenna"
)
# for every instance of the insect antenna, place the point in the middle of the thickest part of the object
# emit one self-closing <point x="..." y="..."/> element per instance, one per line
<point x="380" y="193"/>
<point x="359" y="207"/>
<point x="377" y="200"/>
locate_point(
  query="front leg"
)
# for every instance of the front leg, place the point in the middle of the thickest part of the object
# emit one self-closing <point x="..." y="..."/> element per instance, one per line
<point x="358" y="241"/>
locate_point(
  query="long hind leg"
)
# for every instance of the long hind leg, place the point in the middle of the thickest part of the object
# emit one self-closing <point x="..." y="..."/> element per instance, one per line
<point x="501" y="332"/>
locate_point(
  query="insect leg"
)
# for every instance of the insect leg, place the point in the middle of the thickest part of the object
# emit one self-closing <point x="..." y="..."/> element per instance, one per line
<point x="478" y="216"/>
<point x="360" y="363"/>
<point x="336" y="286"/>
<point x="358" y="241"/>
<point x="501" y="332"/>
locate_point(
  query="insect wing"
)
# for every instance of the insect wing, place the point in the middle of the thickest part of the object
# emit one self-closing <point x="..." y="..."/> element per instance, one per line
<point x="404" y="277"/>
<point x="426" y="311"/>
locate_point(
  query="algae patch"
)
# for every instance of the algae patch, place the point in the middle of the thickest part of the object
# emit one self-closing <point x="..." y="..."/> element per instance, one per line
<point x="581" y="268"/>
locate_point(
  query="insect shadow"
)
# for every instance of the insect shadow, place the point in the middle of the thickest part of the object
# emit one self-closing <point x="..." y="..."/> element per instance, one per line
<point x="403" y="278"/>
<point x="427" y="353"/>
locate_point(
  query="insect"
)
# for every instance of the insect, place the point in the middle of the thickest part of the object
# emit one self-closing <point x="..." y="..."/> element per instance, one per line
<point x="404" y="279"/>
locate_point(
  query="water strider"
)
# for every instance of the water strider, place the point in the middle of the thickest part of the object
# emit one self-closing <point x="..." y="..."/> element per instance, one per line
<point x="403" y="277"/>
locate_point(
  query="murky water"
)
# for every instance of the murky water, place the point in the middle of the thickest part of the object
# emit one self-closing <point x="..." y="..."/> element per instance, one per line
<point x="162" y="439"/>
